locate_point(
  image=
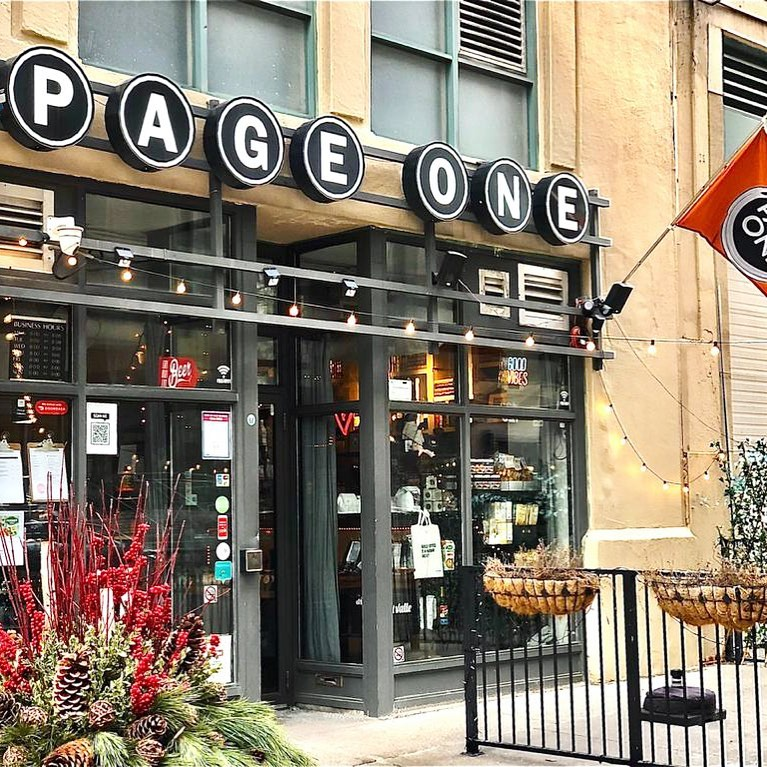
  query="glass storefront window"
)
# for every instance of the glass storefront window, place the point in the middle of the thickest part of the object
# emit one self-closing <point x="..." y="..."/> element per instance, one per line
<point x="323" y="300"/>
<point x="159" y="453"/>
<point x="425" y="478"/>
<point x="518" y="379"/>
<point x="331" y="540"/>
<point x="268" y="369"/>
<point x="173" y="352"/>
<point x="36" y="343"/>
<point x="417" y="374"/>
<point x="329" y="370"/>
<point x="131" y="222"/>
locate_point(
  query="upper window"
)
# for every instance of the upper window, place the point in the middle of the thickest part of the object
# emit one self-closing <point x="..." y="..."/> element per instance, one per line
<point x="460" y="71"/>
<point x="745" y="93"/>
<point x="224" y="47"/>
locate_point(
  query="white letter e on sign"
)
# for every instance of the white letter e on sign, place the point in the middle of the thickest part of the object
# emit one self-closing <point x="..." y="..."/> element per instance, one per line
<point x="328" y="158"/>
<point x="566" y="208"/>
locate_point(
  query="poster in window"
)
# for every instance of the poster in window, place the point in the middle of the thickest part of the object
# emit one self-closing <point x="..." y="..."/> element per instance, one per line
<point x="11" y="474"/>
<point x="38" y="348"/>
<point x="12" y="538"/>
<point x="216" y="435"/>
<point x="47" y="468"/>
<point x="101" y="428"/>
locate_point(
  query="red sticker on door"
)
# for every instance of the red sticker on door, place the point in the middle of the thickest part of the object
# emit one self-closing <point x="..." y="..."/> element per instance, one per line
<point x="223" y="527"/>
<point x="178" y="373"/>
<point x="51" y="407"/>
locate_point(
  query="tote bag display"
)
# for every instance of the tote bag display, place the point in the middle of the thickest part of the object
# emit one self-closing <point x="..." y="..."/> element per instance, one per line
<point x="427" y="548"/>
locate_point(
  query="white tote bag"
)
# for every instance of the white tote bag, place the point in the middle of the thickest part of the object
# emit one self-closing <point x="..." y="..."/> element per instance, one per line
<point x="427" y="548"/>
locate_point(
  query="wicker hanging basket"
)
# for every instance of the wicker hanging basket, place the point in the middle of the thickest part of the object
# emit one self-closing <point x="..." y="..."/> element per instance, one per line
<point x="531" y="591"/>
<point x="706" y="598"/>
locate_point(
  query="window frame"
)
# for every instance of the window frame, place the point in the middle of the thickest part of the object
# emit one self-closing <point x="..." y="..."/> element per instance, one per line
<point x="197" y="49"/>
<point x="454" y="62"/>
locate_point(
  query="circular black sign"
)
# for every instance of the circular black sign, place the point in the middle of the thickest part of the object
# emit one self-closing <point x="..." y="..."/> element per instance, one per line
<point x="435" y="182"/>
<point x="243" y="143"/>
<point x="327" y="160"/>
<point x="744" y="233"/>
<point x="561" y="209"/>
<point x="49" y="102"/>
<point x="501" y="196"/>
<point x="150" y="123"/>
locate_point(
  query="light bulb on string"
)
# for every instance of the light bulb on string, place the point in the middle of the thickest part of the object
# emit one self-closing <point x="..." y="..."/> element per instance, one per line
<point x="665" y="485"/>
<point x="72" y="261"/>
<point x="706" y="475"/>
<point x="590" y="345"/>
<point x="685" y="489"/>
<point x="715" y="349"/>
<point x="351" y="319"/>
<point x="23" y="241"/>
<point x="643" y="467"/>
<point x="126" y="275"/>
<point x="530" y="340"/>
<point x="181" y="287"/>
<point x="410" y="328"/>
<point x="237" y="299"/>
<point x="652" y="349"/>
<point x="294" y="311"/>
<point x="469" y="334"/>
<point x="624" y="440"/>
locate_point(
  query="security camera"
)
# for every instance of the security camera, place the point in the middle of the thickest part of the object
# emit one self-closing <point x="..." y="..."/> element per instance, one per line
<point x="601" y="309"/>
<point x="65" y="232"/>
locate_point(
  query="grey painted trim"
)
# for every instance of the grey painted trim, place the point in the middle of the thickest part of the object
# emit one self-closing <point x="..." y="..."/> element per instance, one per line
<point x="430" y="664"/>
<point x="299" y="323"/>
<point x="316" y="275"/>
<point x="52" y="388"/>
<point x="110" y="391"/>
<point x="330" y="701"/>
<point x="319" y="667"/>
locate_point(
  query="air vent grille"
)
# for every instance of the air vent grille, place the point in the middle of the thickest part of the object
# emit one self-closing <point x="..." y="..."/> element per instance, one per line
<point x="745" y="83"/>
<point x="538" y="283"/>
<point x="493" y="32"/>
<point x="496" y="284"/>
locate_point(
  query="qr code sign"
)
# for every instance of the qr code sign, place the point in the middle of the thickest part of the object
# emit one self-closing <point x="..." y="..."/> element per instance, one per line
<point x="100" y="433"/>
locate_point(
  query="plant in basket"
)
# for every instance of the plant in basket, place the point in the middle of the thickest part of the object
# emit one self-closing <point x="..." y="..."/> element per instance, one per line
<point x="546" y="581"/>
<point x="97" y="673"/>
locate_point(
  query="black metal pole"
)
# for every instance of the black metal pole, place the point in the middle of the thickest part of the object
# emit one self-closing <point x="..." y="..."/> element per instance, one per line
<point x="470" y="644"/>
<point x="633" y="678"/>
<point x="216" y="208"/>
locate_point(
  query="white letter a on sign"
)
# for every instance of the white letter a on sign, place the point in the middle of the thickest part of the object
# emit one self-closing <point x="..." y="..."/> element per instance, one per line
<point x="157" y="124"/>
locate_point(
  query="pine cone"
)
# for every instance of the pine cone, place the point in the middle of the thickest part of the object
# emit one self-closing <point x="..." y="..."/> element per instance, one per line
<point x="16" y="756"/>
<point x="76" y="753"/>
<point x="150" y="751"/>
<point x="9" y="709"/>
<point x="192" y="625"/>
<point x="101" y="714"/>
<point x="33" y="716"/>
<point x="153" y="726"/>
<point x="71" y="685"/>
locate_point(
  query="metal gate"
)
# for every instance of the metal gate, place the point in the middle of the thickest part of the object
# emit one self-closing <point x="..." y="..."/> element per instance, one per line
<point x="575" y="685"/>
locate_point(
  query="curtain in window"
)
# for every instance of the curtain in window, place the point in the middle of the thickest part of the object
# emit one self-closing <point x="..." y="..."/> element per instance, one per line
<point x="319" y="540"/>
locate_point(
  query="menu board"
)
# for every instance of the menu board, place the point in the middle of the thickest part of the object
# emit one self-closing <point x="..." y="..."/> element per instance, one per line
<point x="38" y="349"/>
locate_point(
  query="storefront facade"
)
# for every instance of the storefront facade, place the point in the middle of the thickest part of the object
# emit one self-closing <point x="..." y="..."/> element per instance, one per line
<point x="303" y="333"/>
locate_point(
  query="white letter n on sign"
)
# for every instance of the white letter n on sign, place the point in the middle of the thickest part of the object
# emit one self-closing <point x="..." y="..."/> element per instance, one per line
<point x="507" y="197"/>
<point x="44" y="97"/>
<point x="157" y="124"/>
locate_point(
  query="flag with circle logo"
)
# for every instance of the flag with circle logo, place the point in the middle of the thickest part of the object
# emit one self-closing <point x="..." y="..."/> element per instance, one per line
<point x="731" y="211"/>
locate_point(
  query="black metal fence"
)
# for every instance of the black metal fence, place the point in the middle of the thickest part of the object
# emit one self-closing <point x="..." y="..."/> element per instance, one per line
<point x="576" y="685"/>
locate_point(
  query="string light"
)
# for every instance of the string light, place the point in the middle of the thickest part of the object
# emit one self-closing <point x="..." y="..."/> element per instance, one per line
<point x="652" y="349"/>
<point x="590" y="345"/>
<point x="625" y="440"/>
<point x="126" y="275"/>
<point x="685" y="489"/>
<point x="351" y="319"/>
<point x="665" y="485"/>
<point x="72" y="261"/>
<point x="23" y="241"/>
<point x="237" y="299"/>
<point x="643" y="467"/>
<point x="294" y="311"/>
<point x="715" y="349"/>
<point x="410" y="328"/>
<point x="181" y="287"/>
<point x="530" y="341"/>
<point x="469" y="334"/>
<point x="706" y="475"/>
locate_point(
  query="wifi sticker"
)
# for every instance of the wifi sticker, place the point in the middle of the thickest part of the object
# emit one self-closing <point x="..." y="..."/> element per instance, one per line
<point x="224" y="375"/>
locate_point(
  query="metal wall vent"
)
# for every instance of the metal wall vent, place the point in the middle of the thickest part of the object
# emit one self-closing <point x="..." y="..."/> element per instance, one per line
<point x="539" y="283"/>
<point x="745" y="82"/>
<point x="24" y="209"/>
<point x="496" y="284"/>
<point x="493" y="32"/>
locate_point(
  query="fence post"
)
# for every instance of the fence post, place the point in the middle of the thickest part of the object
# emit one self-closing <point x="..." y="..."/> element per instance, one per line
<point x="633" y="678"/>
<point x="470" y="644"/>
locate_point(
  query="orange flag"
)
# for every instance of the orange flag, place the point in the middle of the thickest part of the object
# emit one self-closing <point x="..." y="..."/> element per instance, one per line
<point x="731" y="212"/>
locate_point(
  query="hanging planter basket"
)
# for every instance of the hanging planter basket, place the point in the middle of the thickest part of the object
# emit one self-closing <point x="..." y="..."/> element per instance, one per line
<point x="535" y="591"/>
<point x="707" y="598"/>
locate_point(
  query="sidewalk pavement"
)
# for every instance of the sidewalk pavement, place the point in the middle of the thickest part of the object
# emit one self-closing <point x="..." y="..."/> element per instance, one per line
<point x="426" y="738"/>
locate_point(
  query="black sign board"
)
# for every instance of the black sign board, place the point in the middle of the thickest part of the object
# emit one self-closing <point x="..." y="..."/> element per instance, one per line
<point x="501" y="196"/>
<point x="561" y="209"/>
<point x="744" y="233"/>
<point x="243" y="143"/>
<point x="150" y="123"/>
<point x="327" y="160"/>
<point x="435" y="182"/>
<point x="48" y="99"/>
<point x="38" y="349"/>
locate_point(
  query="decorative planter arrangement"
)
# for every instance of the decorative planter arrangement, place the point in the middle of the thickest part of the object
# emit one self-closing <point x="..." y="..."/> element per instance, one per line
<point x="540" y="590"/>
<point x="100" y="675"/>
<point x="733" y="599"/>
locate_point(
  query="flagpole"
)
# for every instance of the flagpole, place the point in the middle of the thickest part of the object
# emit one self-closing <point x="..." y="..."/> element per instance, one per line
<point x="762" y="126"/>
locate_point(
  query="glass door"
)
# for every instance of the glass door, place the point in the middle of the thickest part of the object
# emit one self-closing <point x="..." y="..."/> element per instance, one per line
<point x="267" y="508"/>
